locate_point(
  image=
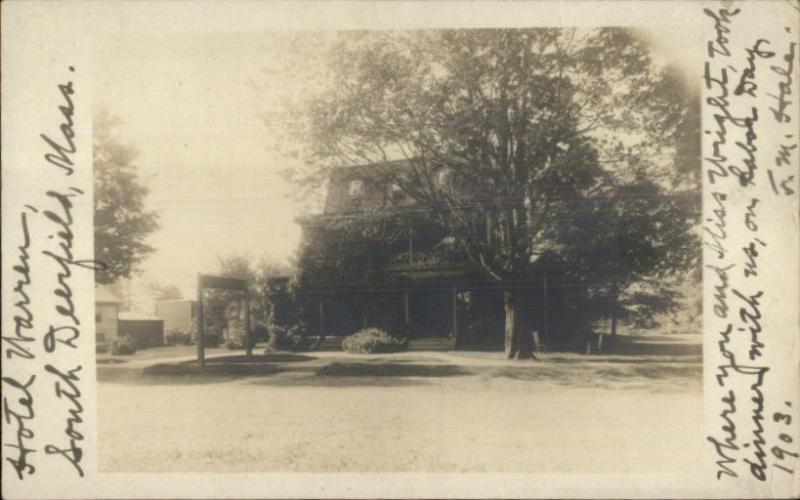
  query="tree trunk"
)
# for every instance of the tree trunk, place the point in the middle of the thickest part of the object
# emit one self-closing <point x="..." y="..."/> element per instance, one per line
<point x="518" y="344"/>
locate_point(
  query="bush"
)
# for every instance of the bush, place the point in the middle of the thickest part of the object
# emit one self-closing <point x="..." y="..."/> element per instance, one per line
<point x="373" y="340"/>
<point x="212" y="337"/>
<point x="124" y="346"/>
<point x="283" y="338"/>
<point x="177" y="337"/>
<point x="236" y="340"/>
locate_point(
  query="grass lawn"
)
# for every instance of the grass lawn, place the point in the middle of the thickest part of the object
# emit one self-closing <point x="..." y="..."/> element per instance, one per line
<point x="405" y="412"/>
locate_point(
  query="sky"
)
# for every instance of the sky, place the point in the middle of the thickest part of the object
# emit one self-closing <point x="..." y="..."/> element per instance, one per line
<point x="193" y="105"/>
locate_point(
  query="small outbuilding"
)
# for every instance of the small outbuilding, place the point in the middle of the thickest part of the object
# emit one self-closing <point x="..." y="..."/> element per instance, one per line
<point x="146" y="330"/>
<point x="177" y="314"/>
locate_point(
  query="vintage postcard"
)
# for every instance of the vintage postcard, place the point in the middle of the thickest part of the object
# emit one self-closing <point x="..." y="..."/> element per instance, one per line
<point x="534" y="249"/>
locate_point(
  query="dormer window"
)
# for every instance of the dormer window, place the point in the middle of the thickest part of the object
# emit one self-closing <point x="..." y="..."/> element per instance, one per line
<point x="356" y="188"/>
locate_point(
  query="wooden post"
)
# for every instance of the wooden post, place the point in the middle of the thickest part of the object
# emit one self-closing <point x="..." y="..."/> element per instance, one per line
<point x="201" y="341"/>
<point x="248" y="333"/>
<point x="455" y="313"/>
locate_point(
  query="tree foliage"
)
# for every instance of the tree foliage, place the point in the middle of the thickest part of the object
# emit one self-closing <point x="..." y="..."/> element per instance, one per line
<point x="563" y="142"/>
<point x="122" y="222"/>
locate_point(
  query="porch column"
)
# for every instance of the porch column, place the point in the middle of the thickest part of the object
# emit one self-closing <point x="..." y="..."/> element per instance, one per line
<point x="201" y="341"/>
<point x="544" y="282"/>
<point x="248" y="334"/>
<point x="365" y="310"/>
<point x="455" y="312"/>
<point x="406" y="307"/>
<point x="410" y="246"/>
<point x="321" y="319"/>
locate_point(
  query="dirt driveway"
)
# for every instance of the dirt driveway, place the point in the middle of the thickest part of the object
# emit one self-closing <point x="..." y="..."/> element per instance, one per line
<point x="436" y="412"/>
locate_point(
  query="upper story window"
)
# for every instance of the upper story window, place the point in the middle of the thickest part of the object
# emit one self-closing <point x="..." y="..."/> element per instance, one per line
<point x="396" y="192"/>
<point x="356" y="188"/>
<point x="444" y="178"/>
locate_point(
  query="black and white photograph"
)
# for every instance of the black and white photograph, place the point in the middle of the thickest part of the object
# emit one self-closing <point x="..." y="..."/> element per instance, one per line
<point x="429" y="250"/>
<point x="432" y="249"/>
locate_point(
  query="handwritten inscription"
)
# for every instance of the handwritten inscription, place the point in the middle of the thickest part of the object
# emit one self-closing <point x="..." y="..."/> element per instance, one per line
<point x="18" y="344"/>
<point x="66" y="388"/>
<point x="18" y="415"/>
<point x="62" y="149"/>
<point x="736" y="76"/>
<point x="32" y="374"/>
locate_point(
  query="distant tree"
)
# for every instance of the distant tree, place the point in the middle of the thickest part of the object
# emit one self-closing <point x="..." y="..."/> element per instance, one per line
<point x="122" y="222"/>
<point x="535" y="125"/>
<point x="168" y="292"/>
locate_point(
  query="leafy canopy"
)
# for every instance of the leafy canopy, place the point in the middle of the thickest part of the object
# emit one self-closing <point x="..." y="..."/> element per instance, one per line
<point x="122" y="222"/>
<point x="560" y="141"/>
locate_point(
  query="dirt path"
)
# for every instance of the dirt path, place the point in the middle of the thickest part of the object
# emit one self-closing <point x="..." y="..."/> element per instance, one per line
<point x="405" y="412"/>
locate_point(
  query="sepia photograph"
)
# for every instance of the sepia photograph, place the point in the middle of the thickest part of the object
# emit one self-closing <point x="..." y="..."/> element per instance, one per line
<point x="466" y="250"/>
<point x="360" y="249"/>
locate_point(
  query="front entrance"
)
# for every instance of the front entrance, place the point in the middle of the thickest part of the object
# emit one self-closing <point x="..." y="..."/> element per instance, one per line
<point x="430" y="313"/>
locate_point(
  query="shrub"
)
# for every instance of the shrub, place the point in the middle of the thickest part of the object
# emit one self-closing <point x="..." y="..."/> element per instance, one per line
<point x="236" y="340"/>
<point x="373" y="340"/>
<point x="124" y="346"/>
<point x="177" y="337"/>
<point x="212" y="337"/>
<point x="283" y="338"/>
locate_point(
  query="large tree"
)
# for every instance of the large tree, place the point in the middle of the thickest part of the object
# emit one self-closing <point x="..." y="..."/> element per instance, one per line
<point x="122" y="222"/>
<point x="530" y="128"/>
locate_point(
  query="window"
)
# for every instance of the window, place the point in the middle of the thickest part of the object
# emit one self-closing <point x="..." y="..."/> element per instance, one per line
<point x="100" y="337"/>
<point x="356" y="188"/>
<point x="396" y="192"/>
<point x="98" y="315"/>
<point x="444" y="177"/>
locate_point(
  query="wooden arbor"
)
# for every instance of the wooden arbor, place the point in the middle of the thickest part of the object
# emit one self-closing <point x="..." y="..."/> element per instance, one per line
<point x="220" y="283"/>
